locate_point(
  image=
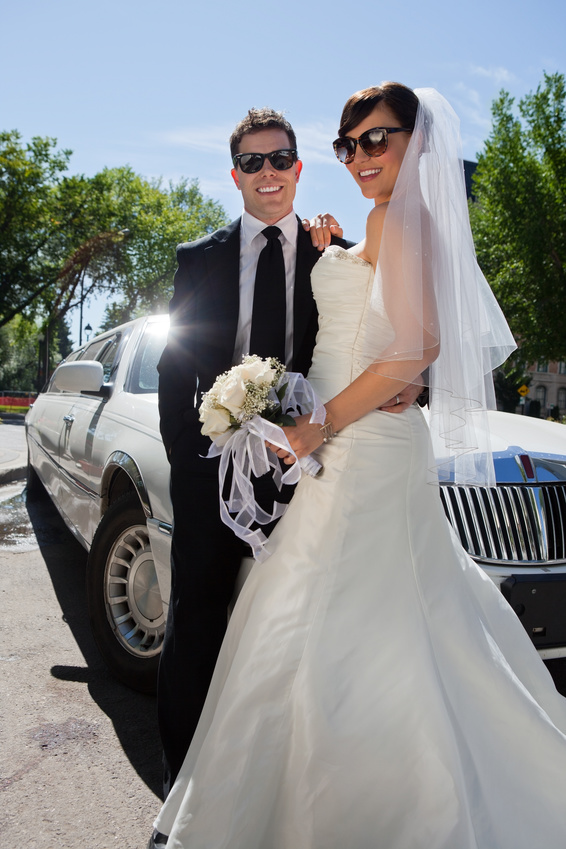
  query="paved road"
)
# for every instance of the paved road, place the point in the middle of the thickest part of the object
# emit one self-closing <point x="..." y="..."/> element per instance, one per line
<point x="79" y="752"/>
<point x="13" y="449"/>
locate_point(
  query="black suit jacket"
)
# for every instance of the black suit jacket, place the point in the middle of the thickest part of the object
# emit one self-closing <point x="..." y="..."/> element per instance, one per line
<point x="204" y="318"/>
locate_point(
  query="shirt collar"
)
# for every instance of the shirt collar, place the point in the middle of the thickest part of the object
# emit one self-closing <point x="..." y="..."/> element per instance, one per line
<point x="252" y="226"/>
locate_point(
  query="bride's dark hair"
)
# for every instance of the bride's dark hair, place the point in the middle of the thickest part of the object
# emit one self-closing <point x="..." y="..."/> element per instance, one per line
<point x="402" y="101"/>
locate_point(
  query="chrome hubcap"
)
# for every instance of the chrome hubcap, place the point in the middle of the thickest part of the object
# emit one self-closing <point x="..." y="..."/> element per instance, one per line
<point x="132" y="597"/>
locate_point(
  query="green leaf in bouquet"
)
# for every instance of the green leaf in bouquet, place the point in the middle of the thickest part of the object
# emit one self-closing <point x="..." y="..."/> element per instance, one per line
<point x="273" y="414"/>
<point x="286" y="421"/>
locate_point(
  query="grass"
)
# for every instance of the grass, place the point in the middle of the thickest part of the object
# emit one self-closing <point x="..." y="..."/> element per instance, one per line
<point x="4" y="408"/>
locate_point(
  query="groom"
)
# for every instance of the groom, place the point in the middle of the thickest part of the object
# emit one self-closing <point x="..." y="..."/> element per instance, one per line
<point x="215" y="320"/>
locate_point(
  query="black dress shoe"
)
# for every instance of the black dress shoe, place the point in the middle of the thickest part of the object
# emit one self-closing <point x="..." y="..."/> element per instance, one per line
<point x="157" y="841"/>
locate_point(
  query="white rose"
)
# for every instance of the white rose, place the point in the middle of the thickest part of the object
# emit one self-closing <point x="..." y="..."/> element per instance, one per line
<point x="233" y="392"/>
<point x="215" y="422"/>
<point x="257" y="372"/>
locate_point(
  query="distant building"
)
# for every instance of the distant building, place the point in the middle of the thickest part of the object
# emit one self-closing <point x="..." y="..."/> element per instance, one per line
<point x="548" y="387"/>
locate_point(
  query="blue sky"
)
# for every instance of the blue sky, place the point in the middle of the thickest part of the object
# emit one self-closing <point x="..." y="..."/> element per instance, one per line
<point x="160" y="85"/>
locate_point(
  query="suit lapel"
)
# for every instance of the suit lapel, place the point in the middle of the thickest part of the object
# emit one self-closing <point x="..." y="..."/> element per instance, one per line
<point x="304" y="302"/>
<point x="222" y="261"/>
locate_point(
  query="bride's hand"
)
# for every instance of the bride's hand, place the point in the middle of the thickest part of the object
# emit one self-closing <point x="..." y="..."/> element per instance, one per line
<point x="405" y="399"/>
<point x="303" y="438"/>
<point x="322" y="227"/>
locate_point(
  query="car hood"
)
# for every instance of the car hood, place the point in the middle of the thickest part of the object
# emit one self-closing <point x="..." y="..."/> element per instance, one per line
<point x="525" y="449"/>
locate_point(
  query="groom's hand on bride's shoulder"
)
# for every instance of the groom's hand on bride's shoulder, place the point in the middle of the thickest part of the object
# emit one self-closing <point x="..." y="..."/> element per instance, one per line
<point x="322" y="227"/>
<point x="405" y="399"/>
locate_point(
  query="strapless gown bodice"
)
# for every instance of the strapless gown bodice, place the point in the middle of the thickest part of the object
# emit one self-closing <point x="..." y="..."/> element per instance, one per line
<point x="341" y="285"/>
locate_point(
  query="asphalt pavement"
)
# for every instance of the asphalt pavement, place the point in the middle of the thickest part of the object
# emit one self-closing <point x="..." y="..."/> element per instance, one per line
<point x="13" y="450"/>
<point x="80" y="754"/>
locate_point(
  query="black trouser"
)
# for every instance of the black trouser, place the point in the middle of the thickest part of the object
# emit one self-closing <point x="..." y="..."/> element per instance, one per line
<point x="205" y="560"/>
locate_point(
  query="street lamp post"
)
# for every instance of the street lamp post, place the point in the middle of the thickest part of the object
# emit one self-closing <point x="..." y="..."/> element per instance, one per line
<point x="40" y="363"/>
<point x="81" y="311"/>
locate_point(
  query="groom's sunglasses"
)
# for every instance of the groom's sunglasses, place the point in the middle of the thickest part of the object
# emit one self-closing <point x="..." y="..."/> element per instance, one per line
<point x="373" y="143"/>
<point x="251" y="163"/>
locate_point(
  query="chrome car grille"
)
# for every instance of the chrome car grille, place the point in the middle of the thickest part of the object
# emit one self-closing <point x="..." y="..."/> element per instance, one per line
<point x="523" y="523"/>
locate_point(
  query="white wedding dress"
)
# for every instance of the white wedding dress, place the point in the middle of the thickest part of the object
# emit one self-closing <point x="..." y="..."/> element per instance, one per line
<point x="374" y="690"/>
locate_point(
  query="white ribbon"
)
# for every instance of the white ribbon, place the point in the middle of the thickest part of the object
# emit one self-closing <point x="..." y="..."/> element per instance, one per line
<point x="246" y="453"/>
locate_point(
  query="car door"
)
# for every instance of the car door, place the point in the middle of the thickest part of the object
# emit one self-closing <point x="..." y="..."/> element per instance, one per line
<point x="84" y="423"/>
<point x="45" y="425"/>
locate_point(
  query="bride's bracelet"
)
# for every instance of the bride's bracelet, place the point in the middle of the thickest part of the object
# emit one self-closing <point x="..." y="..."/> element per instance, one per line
<point x="327" y="432"/>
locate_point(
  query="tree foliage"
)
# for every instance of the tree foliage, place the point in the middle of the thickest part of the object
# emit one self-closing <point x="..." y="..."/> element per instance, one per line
<point x="507" y="381"/>
<point x="31" y="223"/>
<point x="157" y="218"/>
<point x="63" y="238"/>
<point x="23" y="353"/>
<point x="519" y="216"/>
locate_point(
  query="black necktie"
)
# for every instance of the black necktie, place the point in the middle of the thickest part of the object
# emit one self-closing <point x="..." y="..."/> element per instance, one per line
<point x="270" y="300"/>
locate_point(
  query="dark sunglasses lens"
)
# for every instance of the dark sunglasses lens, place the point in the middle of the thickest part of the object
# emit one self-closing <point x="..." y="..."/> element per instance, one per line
<point x="282" y="160"/>
<point x="251" y="162"/>
<point x="374" y="142"/>
<point x="345" y="150"/>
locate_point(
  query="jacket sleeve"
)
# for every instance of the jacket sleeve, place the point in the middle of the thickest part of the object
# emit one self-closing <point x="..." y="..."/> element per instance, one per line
<point x="178" y="366"/>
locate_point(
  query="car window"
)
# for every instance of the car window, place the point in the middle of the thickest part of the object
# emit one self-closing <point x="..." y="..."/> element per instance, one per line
<point x="51" y="386"/>
<point x="143" y="377"/>
<point x="92" y="351"/>
<point x="75" y="355"/>
<point x="107" y="357"/>
<point x="106" y="351"/>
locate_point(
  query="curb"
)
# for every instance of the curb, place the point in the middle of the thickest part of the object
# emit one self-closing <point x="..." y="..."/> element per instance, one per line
<point x="12" y="418"/>
<point x="10" y="475"/>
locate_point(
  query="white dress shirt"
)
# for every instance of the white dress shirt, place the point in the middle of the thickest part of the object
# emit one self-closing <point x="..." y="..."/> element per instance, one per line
<point x="252" y="242"/>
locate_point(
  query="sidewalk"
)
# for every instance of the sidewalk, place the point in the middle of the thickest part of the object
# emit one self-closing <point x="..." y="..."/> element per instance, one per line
<point x="13" y="449"/>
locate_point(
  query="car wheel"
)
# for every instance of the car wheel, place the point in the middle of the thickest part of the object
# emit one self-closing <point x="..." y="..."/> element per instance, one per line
<point x="124" y="602"/>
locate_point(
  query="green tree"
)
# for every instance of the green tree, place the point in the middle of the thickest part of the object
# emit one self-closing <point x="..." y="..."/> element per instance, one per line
<point x="62" y="238"/>
<point x="157" y="218"/>
<point x="51" y="227"/>
<point x="22" y="353"/>
<point x="519" y="216"/>
<point x="29" y="220"/>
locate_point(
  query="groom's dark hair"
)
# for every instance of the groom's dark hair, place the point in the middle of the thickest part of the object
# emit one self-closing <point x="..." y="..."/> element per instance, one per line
<point x="261" y="119"/>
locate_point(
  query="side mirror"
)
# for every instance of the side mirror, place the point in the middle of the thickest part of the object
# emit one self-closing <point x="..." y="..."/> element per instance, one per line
<point x="86" y="376"/>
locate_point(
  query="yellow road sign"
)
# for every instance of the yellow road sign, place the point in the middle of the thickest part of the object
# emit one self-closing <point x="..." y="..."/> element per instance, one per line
<point x="523" y="390"/>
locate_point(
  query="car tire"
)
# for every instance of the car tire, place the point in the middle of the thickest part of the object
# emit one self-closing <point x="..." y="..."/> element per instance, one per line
<point x="35" y="491"/>
<point x="124" y="602"/>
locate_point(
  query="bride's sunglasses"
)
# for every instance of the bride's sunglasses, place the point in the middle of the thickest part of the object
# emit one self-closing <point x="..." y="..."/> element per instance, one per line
<point x="373" y="143"/>
<point x="251" y="163"/>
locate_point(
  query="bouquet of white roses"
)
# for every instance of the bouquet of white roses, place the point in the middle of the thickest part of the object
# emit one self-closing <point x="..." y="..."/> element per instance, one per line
<point x="249" y="389"/>
<point x="244" y="409"/>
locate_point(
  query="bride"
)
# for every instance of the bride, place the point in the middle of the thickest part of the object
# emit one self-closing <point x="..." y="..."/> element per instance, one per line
<point x="374" y="689"/>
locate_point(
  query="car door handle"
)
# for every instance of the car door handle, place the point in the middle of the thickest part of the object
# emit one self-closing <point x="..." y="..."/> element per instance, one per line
<point x="68" y="419"/>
